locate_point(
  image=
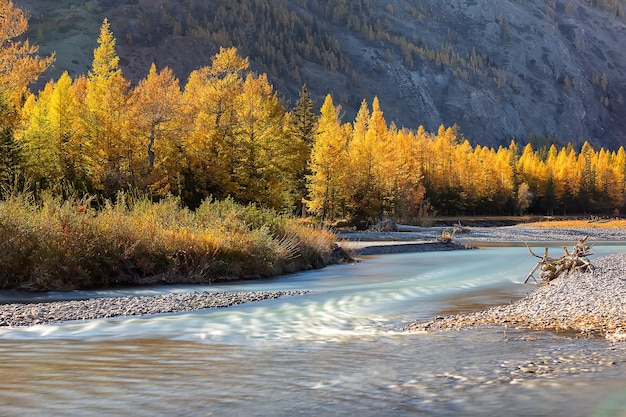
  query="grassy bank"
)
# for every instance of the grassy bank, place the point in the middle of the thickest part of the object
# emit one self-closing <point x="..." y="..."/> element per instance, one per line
<point x="55" y="244"/>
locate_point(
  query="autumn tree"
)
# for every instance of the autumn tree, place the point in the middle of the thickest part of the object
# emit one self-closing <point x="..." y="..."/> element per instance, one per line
<point x="328" y="164"/>
<point x="111" y="159"/>
<point x="567" y="179"/>
<point x="19" y="63"/>
<point x="442" y="183"/>
<point x="211" y="147"/>
<point x="405" y="190"/>
<point x="379" y="139"/>
<point x="19" y="67"/>
<point x="268" y="158"/>
<point x="587" y="169"/>
<point x="360" y="184"/>
<point x="153" y="129"/>
<point x="534" y="173"/>
<point x="41" y="152"/>
<point x="10" y="155"/>
<point x="240" y="141"/>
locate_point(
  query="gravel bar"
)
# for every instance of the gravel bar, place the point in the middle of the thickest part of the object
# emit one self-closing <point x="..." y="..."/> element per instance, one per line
<point x="424" y="239"/>
<point x="484" y="234"/>
<point x="583" y="303"/>
<point x="20" y="315"/>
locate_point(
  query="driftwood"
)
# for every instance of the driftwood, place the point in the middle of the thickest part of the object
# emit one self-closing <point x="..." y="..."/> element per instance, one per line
<point x="459" y="228"/>
<point x="552" y="268"/>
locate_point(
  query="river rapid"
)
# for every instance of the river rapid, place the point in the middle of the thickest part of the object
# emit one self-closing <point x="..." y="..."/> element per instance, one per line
<point x="338" y="350"/>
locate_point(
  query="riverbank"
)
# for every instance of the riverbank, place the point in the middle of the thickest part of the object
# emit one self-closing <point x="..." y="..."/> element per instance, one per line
<point x="581" y="304"/>
<point x="578" y="304"/>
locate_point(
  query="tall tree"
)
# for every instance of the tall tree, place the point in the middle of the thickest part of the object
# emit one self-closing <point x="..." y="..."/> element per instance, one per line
<point x="268" y="157"/>
<point x="303" y="122"/>
<point x="405" y="191"/>
<point x="105" y="104"/>
<point x="19" y="67"/>
<point x="587" y="168"/>
<point x="328" y="164"/>
<point x="379" y="138"/>
<point x="211" y="146"/>
<point x="41" y="151"/>
<point x="10" y="155"/>
<point x="153" y="126"/>
<point x="65" y="130"/>
<point x="360" y="184"/>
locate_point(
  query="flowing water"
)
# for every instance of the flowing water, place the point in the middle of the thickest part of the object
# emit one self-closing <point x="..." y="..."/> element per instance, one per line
<point x="337" y="351"/>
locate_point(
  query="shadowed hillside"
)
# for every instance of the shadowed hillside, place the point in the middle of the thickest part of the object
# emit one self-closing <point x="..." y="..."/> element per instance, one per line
<point x="538" y="70"/>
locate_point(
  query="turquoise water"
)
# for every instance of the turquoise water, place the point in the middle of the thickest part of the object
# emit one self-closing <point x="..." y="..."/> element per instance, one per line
<point x="339" y="350"/>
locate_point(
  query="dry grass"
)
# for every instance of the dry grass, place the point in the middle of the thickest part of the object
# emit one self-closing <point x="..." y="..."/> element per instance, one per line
<point x="580" y="224"/>
<point x="67" y="244"/>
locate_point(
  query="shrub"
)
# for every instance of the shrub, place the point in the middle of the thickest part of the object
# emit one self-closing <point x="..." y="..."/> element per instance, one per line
<point x="50" y="243"/>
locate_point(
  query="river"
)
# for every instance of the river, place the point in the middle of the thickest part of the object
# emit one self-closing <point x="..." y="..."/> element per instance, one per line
<point x="337" y="351"/>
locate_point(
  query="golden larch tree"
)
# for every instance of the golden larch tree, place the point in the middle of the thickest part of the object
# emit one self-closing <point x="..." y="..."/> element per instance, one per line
<point x="211" y="146"/>
<point x="328" y="164"/>
<point x="154" y="127"/>
<point x="105" y="102"/>
<point x="20" y="64"/>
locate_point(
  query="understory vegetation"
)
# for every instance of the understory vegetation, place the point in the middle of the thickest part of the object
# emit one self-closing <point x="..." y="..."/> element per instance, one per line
<point x="52" y="243"/>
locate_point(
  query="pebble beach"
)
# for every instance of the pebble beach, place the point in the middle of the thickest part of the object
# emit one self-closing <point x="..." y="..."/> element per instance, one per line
<point x="20" y="314"/>
<point x="582" y="303"/>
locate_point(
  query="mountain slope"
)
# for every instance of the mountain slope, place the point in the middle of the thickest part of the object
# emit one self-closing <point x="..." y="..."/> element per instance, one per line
<point x="538" y="70"/>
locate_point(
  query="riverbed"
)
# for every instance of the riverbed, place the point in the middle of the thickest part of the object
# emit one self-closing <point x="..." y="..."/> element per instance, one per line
<point x="337" y="349"/>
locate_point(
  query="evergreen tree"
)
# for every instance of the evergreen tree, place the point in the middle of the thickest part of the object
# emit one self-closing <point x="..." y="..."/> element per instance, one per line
<point x="303" y="118"/>
<point x="303" y="122"/>
<point x="9" y="149"/>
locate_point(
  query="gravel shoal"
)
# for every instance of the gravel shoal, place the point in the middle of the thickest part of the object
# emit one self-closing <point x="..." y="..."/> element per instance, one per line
<point x="387" y="247"/>
<point x="586" y="303"/>
<point x="19" y="315"/>
<point x="487" y="234"/>
<point x="424" y="239"/>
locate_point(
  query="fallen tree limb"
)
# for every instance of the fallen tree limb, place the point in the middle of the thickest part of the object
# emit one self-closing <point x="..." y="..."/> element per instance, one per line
<point x="552" y="268"/>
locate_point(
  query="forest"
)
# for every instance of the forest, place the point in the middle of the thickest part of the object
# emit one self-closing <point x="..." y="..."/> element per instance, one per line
<point x="224" y="132"/>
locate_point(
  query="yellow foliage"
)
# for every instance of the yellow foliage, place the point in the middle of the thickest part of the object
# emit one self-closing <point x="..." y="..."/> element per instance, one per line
<point x="19" y="63"/>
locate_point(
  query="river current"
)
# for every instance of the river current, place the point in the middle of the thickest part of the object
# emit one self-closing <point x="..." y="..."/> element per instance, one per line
<point x="336" y="351"/>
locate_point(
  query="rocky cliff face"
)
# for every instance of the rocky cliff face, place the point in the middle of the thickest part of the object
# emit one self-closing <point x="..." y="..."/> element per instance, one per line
<point x="548" y="72"/>
<point x="544" y="70"/>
